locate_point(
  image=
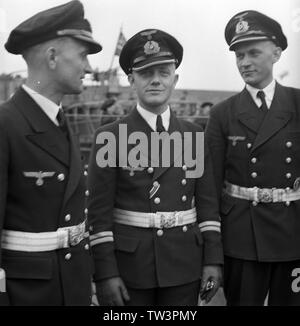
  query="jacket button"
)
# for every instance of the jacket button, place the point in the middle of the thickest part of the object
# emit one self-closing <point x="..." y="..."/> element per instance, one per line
<point x="184" y="228"/>
<point x="184" y="167"/>
<point x="61" y="177"/>
<point x="68" y="256"/>
<point x="288" y="160"/>
<point x="86" y="211"/>
<point x="68" y="217"/>
<point x="254" y="160"/>
<point x="155" y="184"/>
<point x="160" y="233"/>
<point x="85" y="173"/>
<point x="183" y="198"/>
<point x="249" y="145"/>
<point x="150" y="170"/>
<point x="288" y="175"/>
<point x="183" y="182"/>
<point x="289" y="144"/>
<point x="287" y="203"/>
<point x="86" y="247"/>
<point x="87" y="193"/>
<point x="254" y="203"/>
<point x="253" y="175"/>
<point x="157" y="200"/>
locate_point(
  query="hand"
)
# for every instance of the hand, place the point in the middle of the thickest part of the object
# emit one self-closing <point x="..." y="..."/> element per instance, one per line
<point x="94" y="295"/>
<point x="112" y="292"/>
<point x="210" y="282"/>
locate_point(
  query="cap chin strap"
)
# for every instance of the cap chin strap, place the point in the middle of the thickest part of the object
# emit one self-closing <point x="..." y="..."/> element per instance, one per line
<point x="155" y="63"/>
<point x="144" y="57"/>
<point x="74" y="32"/>
<point x="252" y="38"/>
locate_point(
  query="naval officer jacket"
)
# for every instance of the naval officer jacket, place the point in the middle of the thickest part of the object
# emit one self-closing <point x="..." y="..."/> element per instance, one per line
<point x="31" y="142"/>
<point x="250" y="154"/>
<point x="151" y="257"/>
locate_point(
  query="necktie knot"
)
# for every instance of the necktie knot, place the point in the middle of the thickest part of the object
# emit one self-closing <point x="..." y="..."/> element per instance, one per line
<point x="262" y="96"/>
<point x="159" y="124"/>
<point x="61" y="118"/>
<point x="62" y="122"/>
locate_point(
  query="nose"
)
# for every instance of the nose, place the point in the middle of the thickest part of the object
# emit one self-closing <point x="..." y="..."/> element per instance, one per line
<point x="245" y="62"/>
<point x="88" y="69"/>
<point x="155" y="79"/>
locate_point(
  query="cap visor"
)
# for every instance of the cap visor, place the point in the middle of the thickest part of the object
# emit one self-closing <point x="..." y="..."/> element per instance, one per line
<point x="94" y="46"/>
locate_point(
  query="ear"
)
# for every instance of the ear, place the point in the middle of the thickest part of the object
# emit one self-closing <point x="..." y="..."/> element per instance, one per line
<point x="176" y="77"/>
<point x="51" y="57"/>
<point x="276" y="54"/>
<point x="130" y="79"/>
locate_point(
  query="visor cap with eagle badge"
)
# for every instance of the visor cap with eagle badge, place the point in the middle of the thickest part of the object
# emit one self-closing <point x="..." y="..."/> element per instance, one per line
<point x="251" y="25"/>
<point x="148" y="48"/>
<point x="66" y="20"/>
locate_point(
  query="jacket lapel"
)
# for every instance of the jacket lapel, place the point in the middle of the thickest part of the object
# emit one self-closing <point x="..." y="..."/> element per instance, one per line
<point x="277" y="117"/>
<point x="136" y="123"/>
<point x="45" y="134"/>
<point x="248" y="111"/>
<point x="75" y="170"/>
<point x="174" y="126"/>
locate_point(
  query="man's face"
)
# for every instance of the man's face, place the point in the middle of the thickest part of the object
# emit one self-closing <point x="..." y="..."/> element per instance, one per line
<point x="154" y="85"/>
<point x="71" y="66"/>
<point x="255" y="62"/>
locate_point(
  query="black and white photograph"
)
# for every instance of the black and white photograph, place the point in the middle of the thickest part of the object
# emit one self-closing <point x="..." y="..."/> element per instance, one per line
<point x="150" y="155"/>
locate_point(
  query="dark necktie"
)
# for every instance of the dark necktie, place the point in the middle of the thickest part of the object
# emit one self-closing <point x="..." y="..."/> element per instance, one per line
<point x="160" y="128"/>
<point x="62" y="122"/>
<point x="262" y="96"/>
<point x="159" y="124"/>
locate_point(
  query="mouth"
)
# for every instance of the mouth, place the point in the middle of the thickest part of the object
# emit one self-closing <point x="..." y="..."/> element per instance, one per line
<point x="248" y="72"/>
<point x="153" y="91"/>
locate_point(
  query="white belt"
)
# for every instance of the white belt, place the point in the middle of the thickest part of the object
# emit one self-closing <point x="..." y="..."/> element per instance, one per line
<point x="2" y="280"/>
<point x="262" y="195"/>
<point x="155" y="220"/>
<point x="44" y="241"/>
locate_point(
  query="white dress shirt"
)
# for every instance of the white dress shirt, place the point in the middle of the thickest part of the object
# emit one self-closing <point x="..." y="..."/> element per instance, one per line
<point x="269" y="92"/>
<point x="150" y="117"/>
<point x="50" y="108"/>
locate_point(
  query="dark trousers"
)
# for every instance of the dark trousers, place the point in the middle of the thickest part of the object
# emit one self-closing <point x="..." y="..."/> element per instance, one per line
<point x="183" y="295"/>
<point x="248" y="283"/>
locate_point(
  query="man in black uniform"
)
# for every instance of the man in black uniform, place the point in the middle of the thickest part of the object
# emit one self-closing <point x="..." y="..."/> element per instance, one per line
<point x="155" y="232"/>
<point x="44" y="250"/>
<point x="254" y="138"/>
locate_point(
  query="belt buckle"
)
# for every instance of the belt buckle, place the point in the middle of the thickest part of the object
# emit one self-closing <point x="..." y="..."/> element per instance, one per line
<point x="167" y="222"/>
<point x="76" y="234"/>
<point x="265" y="195"/>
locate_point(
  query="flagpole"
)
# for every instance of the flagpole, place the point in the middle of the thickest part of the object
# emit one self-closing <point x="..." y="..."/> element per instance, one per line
<point x="114" y="54"/>
<point x="112" y="61"/>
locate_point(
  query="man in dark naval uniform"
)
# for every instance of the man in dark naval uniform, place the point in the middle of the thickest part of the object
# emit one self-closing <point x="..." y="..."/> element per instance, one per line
<point x="254" y="138"/>
<point x="155" y="231"/>
<point x="44" y="251"/>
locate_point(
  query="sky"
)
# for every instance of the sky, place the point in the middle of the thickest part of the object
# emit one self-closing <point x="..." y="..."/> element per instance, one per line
<point x="197" y="24"/>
